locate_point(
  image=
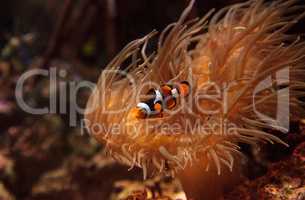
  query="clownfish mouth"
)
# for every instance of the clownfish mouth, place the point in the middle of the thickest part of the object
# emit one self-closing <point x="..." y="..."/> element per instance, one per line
<point x="165" y="98"/>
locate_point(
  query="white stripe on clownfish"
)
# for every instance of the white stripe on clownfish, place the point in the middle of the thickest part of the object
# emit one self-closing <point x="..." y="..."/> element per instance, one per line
<point x="158" y="96"/>
<point x="144" y="106"/>
<point x="175" y="93"/>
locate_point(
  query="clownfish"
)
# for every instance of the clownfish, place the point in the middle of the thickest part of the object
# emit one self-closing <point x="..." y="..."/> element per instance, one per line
<point x="160" y="99"/>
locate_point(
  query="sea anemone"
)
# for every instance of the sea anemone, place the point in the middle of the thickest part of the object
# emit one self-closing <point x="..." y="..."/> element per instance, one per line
<point x="246" y="75"/>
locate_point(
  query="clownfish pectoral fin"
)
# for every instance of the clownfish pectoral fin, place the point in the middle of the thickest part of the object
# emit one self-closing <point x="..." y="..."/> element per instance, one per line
<point x="170" y="102"/>
<point x="158" y="107"/>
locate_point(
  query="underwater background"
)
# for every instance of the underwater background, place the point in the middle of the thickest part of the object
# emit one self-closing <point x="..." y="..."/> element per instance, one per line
<point x="47" y="157"/>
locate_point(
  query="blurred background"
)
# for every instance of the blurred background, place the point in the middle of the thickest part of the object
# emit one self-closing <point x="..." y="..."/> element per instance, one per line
<point x="42" y="156"/>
